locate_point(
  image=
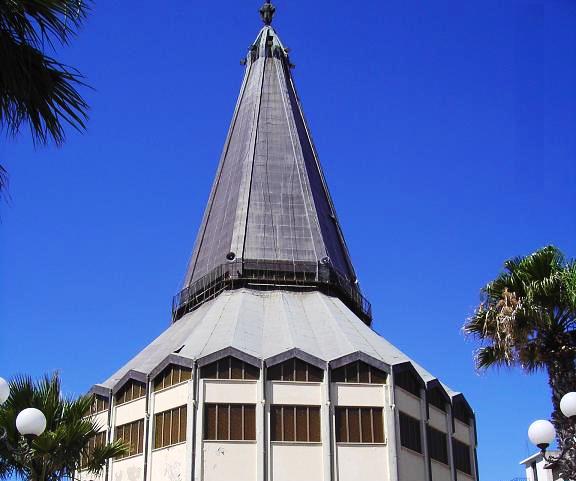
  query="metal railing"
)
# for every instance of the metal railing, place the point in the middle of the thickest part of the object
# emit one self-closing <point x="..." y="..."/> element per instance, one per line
<point x="271" y="275"/>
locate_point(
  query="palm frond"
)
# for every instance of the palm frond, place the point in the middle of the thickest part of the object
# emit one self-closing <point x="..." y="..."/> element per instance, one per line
<point x="40" y="91"/>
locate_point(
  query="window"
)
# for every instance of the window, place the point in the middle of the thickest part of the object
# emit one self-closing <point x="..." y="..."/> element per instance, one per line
<point x="170" y="376"/>
<point x="94" y="442"/>
<point x="408" y="381"/>
<point x="133" y="435"/>
<point x="462" y="459"/>
<point x="436" y="399"/>
<point x="462" y="413"/>
<point x="359" y="372"/>
<point x="438" y="445"/>
<point x="131" y="391"/>
<point x="99" y="404"/>
<point x="410" y="434"/>
<point x="230" y="422"/>
<point x="230" y="368"/>
<point x="359" y="425"/>
<point x="295" y="370"/>
<point x="170" y="427"/>
<point x="295" y="423"/>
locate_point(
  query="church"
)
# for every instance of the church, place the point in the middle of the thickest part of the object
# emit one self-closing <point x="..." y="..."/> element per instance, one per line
<point x="270" y="370"/>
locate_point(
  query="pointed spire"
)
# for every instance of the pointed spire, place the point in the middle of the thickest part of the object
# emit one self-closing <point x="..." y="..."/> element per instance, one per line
<point x="270" y="219"/>
<point x="267" y="12"/>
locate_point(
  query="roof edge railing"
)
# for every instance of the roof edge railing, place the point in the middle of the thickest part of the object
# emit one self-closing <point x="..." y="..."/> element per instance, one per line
<point x="271" y="275"/>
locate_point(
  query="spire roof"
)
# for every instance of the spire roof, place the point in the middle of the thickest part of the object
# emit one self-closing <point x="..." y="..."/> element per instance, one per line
<point x="270" y="217"/>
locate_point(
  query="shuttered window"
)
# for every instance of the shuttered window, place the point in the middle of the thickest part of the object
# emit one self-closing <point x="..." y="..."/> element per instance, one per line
<point x="98" y="440"/>
<point x="462" y="459"/>
<point x="359" y="425"/>
<point x="295" y="423"/>
<point x="295" y="370"/>
<point x="408" y="381"/>
<point x="410" y="433"/>
<point x="170" y="376"/>
<point x="359" y="372"/>
<point x="437" y="445"/>
<point x="131" y="391"/>
<point x="99" y="404"/>
<point x="170" y="427"/>
<point x="230" y="368"/>
<point x="132" y="434"/>
<point x="230" y="422"/>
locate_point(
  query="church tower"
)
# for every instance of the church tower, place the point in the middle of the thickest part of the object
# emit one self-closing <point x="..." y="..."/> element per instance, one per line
<point x="270" y="370"/>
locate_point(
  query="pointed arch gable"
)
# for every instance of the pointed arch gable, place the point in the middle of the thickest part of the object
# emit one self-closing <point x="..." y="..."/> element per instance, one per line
<point x="229" y="351"/>
<point x="131" y="375"/>
<point x="298" y="354"/>
<point x="175" y="360"/>
<point x="360" y="356"/>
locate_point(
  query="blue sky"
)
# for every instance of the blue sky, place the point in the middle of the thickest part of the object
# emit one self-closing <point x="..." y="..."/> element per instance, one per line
<point x="446" y="130"/>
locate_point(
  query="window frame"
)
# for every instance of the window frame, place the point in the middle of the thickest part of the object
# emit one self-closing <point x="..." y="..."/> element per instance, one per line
<point x="294" y="411"/>
<point x="406" y="434"/>
<point x="248" y="410"/>
<point x="140" y="428"/>
<point x="171" y="368"/>
<point x="343" y="374"/>
<point x="230" y="360"/>
<point x="343" y="412"/>
<point x="181" y="411"/>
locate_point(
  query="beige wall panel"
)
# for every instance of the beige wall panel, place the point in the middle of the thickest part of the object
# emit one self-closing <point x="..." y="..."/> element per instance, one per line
<point x="294" y="393"/>
<point x="169" y="464"/>
<point x="362" y="463"/>
<point x="296" y="462"/>
<point x="86" y="476"/>
<point x="171" y="397"/>
<point x="229" y="391"/>
<point x="437" y="419"/>
<point x="229" y="461"/>
<point x="461" y="431"/>
<point x="407" y="403"/>
<point x="101" y="419"/>
<point x="440" y="472"/>
<point x="358" y="395"/>
<point x="130" y="411"/>
<point x="129" y="469"/>
<point x="411" y="466"/>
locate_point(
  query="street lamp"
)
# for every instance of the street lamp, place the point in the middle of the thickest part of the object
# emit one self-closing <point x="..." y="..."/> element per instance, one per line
<point x="29" y="422"/>
<point x="542" y="432"/>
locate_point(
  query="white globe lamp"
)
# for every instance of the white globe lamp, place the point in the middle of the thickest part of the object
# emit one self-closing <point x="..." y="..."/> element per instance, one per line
<point x="31" y="422"/>
<point x="541" y="433"/>
<point x="4" y="390"/>
<point x="567" y="404"/>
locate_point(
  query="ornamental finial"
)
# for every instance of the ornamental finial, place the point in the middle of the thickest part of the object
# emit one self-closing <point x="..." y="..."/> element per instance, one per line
<point x="267" y="12"/>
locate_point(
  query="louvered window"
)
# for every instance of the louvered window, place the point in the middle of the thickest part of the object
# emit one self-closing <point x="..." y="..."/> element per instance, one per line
<point x="98" y="440"/>
<point x="132" y="390"/>
<point x="359" y="425"/>
<point x="410" y="433"/>
<point x="438" y="445"/>
<point x="436" y="399"/>
<point x="230" y="422"/>
<point x="408" y="381"/>
<point x="99" y="404"/>
<point x="132" y="434"/>
<point x="170" y="376"/>
<point x="230" y="368"/>
<point x="170" y="427"/>
<point x="359" y="372"/>
<point x="462" y="459"/>
<point x="295" y="370"/>
<point x="295" y="423"/>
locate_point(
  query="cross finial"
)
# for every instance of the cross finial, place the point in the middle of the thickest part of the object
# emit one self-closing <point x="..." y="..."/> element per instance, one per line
<point x="267" y="12"/>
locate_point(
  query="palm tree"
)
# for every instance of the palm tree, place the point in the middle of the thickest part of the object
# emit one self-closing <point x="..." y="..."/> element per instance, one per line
<point x="64" y="448"/>
<point x="36" y="89"/>
<point x="527" y="318"/>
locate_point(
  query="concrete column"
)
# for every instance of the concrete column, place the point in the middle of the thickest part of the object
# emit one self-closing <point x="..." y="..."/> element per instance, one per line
<point x="391" y="431"/>
<point x="473" y="458"/>
<point x="198" y="444"/>
<point x="424" y="433"/>
<point x="112" y="434"/>
<point x="328" y="445"/>
<point x="261" y="422"/>
<point x="148" y="425"/>
<point x="191" y="417"/>
<point x="450" y="431"/>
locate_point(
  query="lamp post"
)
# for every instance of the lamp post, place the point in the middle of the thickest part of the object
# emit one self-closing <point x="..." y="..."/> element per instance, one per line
<point x="542" y="432"/>
<point x="30" y="422"/>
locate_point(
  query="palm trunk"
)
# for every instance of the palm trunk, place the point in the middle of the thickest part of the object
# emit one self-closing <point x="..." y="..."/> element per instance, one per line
<point x="562" y="379"/>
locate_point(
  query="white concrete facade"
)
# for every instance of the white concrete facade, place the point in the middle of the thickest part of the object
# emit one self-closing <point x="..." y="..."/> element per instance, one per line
<point x="198" y="459"/>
